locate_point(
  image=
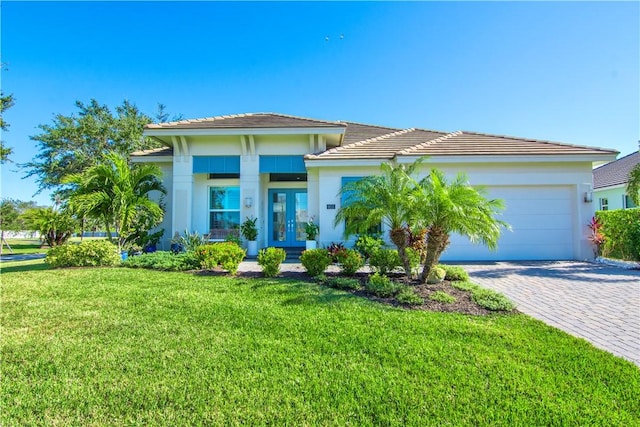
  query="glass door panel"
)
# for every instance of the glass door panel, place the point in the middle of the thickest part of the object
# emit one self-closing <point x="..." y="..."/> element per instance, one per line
<point x="279" y="216"/>
<point x="301" y="215"/>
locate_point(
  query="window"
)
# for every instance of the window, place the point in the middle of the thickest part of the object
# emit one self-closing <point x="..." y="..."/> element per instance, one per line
<point x="627" y="203"/>
<point x="224" y="212"/>
<point x="604" y="204"/>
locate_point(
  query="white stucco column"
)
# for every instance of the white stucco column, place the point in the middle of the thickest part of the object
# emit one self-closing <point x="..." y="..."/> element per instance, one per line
<point x="182" y="194"/>
<point x="250" y="188"/>
<point x="584" y="213"/>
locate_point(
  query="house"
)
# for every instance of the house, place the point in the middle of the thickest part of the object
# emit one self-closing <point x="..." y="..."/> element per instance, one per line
<point x="285" y="170"/>
<point x="610" y="183"/>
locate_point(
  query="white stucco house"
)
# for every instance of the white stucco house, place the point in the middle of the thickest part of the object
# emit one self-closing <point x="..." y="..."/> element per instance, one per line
<point x="284" y="170"/>
<point x="610" y="183"/>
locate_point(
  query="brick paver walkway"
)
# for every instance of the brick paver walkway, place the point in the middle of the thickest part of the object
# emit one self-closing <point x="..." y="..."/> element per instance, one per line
<point x="598" y="303"/>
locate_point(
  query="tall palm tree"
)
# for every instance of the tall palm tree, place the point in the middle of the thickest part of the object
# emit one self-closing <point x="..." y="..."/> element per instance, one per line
<point x="633" y="185"/>
<point x="382" y="199"/>
<point x="117" y="194"/>
<point x="457" y="207"/>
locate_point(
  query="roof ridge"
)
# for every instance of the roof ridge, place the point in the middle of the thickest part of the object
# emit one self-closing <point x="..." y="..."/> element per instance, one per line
<point x="348" y="122"/>
<point x="407" y="151"/>
<point x="543" y="141"/>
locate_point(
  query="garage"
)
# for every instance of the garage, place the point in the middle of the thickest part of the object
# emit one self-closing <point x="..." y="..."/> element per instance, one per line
<point x="541" y="219"/>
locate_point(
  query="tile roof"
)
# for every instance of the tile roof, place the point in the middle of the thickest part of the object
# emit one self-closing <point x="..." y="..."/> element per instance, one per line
<point x="420" y="142"/>
<point x="464" y="143"/>
<point x="616" y="172"/>
<point x="385" y="146"/>
<point x="247" y="120"/>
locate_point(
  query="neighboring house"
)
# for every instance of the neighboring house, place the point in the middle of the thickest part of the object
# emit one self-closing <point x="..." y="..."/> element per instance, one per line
<point x="610" y="183"/>
<point x="285" y="170"/>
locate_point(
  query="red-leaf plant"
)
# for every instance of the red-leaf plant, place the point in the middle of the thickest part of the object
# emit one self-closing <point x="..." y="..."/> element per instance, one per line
<point x="596" y="237"/>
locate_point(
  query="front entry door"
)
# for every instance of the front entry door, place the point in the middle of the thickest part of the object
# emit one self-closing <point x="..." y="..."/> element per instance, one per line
<point x="287" y="216"/>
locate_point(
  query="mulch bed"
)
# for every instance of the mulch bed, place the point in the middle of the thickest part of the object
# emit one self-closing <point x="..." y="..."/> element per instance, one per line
<point x="463" y="304"/>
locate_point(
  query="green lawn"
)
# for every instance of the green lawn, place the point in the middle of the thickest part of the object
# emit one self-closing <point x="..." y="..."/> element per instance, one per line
<point x="24" y="246"/>
<point x="132" y="347"/>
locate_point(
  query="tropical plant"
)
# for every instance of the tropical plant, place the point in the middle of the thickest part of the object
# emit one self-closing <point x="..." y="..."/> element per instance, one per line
<point x="633" y="184"/>
<point x="118" y="194"/>
<point x="596" y="237"/>
<point x="311" y="229"/>
<point x="366" y="244"/>
<point x="54" y="225"/>
<point x="457" y="207"/>
<point x="385" y="199"/>
<point x="249" y="229"/>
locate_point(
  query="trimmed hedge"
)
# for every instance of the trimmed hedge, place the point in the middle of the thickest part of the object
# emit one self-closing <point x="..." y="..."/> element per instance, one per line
<point x="164" y="261"/>
<point x="94" y="253"/>
<point x="621" y="229"/>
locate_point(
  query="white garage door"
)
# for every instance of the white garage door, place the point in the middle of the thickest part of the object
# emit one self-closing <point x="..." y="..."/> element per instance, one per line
<point x="542" y="226"/>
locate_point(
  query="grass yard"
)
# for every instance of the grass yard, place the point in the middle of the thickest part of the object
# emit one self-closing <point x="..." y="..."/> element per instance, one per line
<point x="24" y="246"/>
<point x="136" y="347"/>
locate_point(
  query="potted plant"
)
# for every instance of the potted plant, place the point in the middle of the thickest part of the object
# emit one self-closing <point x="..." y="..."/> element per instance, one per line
<point x="311" y="229"/>
<point x="249" y="231"/>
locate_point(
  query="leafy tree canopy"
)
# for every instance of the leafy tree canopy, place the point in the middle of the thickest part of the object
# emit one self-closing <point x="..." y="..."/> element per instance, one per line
<point x="11" y="214"/>
<point x="633" y="185"/>
<point x="6" y="102"/>
<point x="72" y="144"/>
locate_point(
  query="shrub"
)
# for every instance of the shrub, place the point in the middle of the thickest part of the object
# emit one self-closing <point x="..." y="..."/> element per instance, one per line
<point x="409" y="296"/>
<point x="336" y="250"/>
<point x="621" y="230"/>
<point x="380" y="285"/>
<point x="227" y="255"/>
<point x="385" y="261"/>
<point x="315" y="261"/>
<point x="189" y="242"/>
<point x="436" y="275"/>
<point x="350" y="261"/>
<point x="368" y="244"/>
<point x="165" y="261"/>
<point x="465" y="285"/>
<point x="86" y="254"/>
<point x="442" y="296"/>
<point x="341" y="283"/>
<point x="454" y="273"/>
<point x="248" y="229"/>
<point x="491" y="300"/>
<point x="270" y="259"/>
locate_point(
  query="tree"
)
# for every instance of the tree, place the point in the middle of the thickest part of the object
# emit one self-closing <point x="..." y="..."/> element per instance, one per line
<point x="633" y="184"/>
<point x="118" y="194"/>
<point x="72" y="144"/>
<point x="386" y="199"/>
<point x="457" y="207"/>
<point x="55" y="225"/>
<point x="6" y="102"/>
<point x="9" y="215"/>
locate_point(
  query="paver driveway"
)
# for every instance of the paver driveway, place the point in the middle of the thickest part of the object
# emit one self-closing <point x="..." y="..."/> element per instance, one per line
<point x="598" y="303"/>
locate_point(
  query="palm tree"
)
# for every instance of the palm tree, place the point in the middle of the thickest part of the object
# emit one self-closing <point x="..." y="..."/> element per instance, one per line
<point x="633" y="185"/>
<point x="382" y="199"/>
<point x="455" y="208"/>
<point x="117" y="193"/>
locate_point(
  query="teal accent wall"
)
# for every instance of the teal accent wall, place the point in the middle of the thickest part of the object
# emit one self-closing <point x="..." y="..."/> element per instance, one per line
<point x="282" y="164"/>
<point x="614" y="197"/>
<point x="216" y="164"/>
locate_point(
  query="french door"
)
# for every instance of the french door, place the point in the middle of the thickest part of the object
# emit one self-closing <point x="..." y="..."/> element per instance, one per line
<point x="287" y="216"/>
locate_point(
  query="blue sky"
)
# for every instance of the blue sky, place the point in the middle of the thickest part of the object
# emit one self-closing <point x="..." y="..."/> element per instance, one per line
<point x="566" y="72"/>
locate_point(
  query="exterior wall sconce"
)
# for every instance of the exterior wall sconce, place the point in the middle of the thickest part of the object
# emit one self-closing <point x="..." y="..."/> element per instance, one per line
<point x="588" y="196"/>
<point x="248" y="202"/>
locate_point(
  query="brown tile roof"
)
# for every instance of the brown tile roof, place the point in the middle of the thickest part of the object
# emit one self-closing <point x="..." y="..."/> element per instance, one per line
<point x="615" y="173"/>
<point x="359" y="132"/>
<point x="247" y="120"/>
<point x="463" y="143"/>
<point x="384" y="146"/>
<point x="162" y="151"/>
